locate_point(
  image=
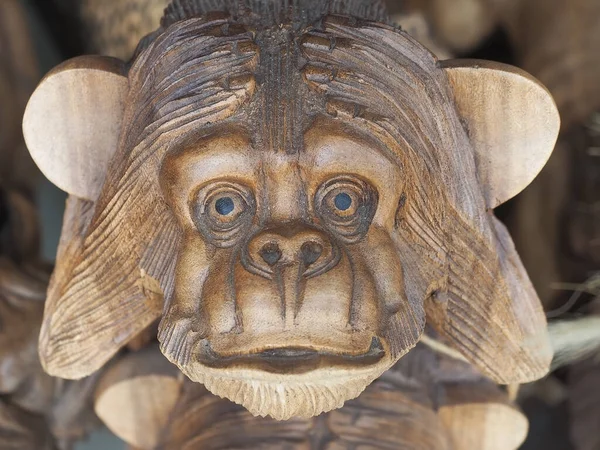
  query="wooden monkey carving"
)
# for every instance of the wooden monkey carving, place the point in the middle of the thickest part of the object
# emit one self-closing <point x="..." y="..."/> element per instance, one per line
<point x="294" y="189"/>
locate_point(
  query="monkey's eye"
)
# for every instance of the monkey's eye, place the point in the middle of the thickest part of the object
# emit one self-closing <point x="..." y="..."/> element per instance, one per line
<point x="342" y="201"/>
<point x="223" y="211"/>
<point x="227" y="207"/>
<point x="346" y="205"/>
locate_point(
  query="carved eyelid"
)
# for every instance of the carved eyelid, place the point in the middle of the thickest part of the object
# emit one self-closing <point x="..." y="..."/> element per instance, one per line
<point x="352" y="227"/>
<point x="226" y="233"/>
<point x="216" y="185"/>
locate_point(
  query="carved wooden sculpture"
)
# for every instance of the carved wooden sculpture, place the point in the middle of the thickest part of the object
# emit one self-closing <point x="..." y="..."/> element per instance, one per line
<point x="427" y="401"/>
<point x="36" y="411"/>
<point x="294" y="190"/>
<point x="556" y="40"/>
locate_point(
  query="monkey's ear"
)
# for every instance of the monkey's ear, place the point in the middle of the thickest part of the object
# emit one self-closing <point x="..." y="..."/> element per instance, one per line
<point x="72" y="122"/>
<point x="512" y="122"/>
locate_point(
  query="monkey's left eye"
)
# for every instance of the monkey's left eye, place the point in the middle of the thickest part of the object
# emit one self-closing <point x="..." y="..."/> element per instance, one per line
<point x="227" y="207"/>
<point x="223" y="211"/>
<point x="346" y="205"/>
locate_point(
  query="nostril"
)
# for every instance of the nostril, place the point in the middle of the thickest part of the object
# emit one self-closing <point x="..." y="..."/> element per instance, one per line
<point x="270" y="253"/>
<point x="311" y="252"/>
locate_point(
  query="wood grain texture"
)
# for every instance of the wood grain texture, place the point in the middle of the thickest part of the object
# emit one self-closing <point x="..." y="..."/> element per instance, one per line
<point x="477" y="413"/>
<point x="557" y="41"/>
<point x="416" y="25"/>
<point x="512" y="123"/>
<point x="426" y="401"/>
<point x="136" y="396"/>
<point x="394" y="412"/>
<point x="480" y="416"/>
<point x="295" y="215"/>
<point x="554" y="40"/>
<point x="44" y="412"/>
<point x="72" y="122"/>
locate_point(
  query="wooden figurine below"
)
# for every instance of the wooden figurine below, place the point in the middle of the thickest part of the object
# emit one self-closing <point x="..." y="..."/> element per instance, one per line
<point x="427" y="402"/>
<point x="294" y="192"/>
<point x="37" y="411"/>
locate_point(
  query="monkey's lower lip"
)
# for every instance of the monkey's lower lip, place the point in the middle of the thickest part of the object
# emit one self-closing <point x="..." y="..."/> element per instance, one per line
<point x="291" y="359"/>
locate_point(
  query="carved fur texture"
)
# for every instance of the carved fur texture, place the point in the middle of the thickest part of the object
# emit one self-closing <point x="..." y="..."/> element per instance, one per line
<point x="295" y="201"/>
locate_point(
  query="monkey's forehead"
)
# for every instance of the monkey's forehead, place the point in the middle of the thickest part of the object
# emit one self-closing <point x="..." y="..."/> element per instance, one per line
<point x="280" y="79"/>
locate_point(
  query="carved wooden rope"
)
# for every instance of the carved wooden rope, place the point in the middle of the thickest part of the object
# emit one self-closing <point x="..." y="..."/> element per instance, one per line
<point x="295" y="198"/>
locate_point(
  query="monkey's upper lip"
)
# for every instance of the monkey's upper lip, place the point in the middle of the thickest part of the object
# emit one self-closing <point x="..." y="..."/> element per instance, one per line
<point x="291" y="359"/>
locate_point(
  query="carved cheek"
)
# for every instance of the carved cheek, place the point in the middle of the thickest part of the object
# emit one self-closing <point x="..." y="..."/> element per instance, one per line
<point x="378" y="253"/>
<point x="259" y="303"/>
<point x="328" y="300"/>
<point x="192" y="271"/>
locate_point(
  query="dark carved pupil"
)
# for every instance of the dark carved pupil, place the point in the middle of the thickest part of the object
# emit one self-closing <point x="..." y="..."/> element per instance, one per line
<point x="342" y="201"/>
<point x="224" y="206"/>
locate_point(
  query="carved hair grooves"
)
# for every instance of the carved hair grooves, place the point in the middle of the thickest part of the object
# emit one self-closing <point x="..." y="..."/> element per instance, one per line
<point x="266" y="13"/>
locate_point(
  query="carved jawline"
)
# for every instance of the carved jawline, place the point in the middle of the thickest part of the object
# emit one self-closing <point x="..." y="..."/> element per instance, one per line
<point x="290" y="359"/>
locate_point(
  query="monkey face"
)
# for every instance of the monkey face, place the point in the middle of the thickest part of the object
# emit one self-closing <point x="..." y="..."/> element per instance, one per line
<point x="287" y="270"/>
<point x="289" y="202"/>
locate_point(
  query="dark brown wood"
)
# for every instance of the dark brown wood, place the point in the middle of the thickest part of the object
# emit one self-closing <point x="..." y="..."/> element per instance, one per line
<point x="116" y="28"/>
<point x="584" y="403"/>
<point x="22" y="295"/>
<point x="21" y="430"/>
<point x="19" y="74"/>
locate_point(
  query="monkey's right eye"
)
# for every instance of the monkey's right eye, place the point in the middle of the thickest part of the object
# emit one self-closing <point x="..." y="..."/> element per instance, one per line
<point x="223" y="212"/>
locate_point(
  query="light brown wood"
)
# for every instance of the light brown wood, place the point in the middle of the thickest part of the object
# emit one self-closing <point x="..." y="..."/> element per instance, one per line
<point x="512" y="122"/>
<point x="485" y="426"/>
<point x="426" y="401"/>
<point x="135" y="397"/>
<point x="72" y="123"/>
<point x="294" y="215"/>
<point x="478" y="414"/>
<point x="394" y="412"/>
<point x="555" y="40"/>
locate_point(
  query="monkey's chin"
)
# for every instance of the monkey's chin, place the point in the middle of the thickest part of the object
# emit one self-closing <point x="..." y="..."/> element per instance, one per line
<point x="284" y="396"/>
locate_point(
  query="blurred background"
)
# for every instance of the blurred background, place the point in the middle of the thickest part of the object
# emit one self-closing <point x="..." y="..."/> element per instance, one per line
<point x="555" y="222"/>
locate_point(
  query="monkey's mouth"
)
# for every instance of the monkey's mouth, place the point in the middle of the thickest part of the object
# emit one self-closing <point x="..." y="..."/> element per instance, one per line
<point x="290" y="360"/>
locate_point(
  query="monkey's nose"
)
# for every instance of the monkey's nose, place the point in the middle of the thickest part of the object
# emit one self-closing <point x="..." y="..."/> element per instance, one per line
<point x="289" y="246"/>
<point x="311" y="252"/>
<point x="270" y="253"/>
